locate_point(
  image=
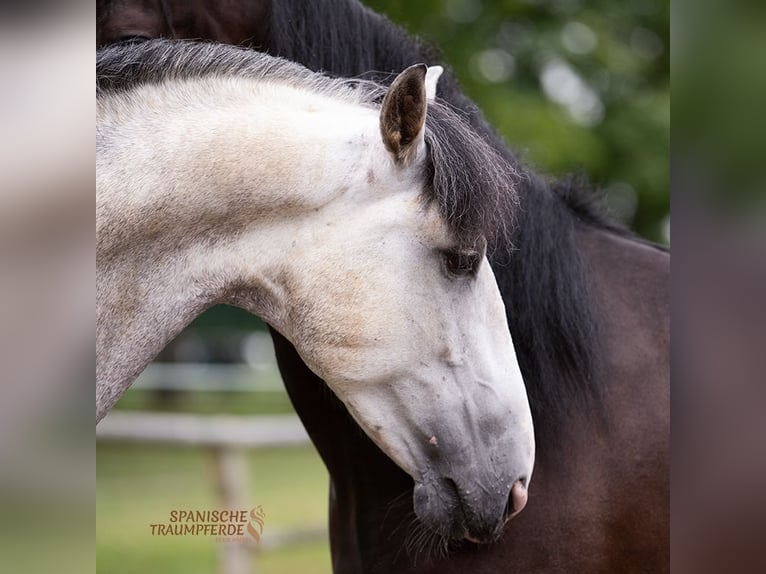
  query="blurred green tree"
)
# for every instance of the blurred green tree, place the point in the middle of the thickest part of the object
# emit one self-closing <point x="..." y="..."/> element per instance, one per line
<point x="573" y="85"/>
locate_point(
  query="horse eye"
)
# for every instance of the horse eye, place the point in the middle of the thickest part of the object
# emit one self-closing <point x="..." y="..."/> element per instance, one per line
<point x="461" y="263"/>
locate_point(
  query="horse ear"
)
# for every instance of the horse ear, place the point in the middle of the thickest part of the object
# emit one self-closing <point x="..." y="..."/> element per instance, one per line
<point x="403" y="114"/>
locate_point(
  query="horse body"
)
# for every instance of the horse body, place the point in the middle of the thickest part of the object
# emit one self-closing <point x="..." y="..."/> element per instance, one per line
<point x="229" y="176"/>
<point x="587" y="304"/>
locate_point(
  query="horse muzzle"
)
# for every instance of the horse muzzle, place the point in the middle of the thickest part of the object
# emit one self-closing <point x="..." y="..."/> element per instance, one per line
<point x="468" y="510"/>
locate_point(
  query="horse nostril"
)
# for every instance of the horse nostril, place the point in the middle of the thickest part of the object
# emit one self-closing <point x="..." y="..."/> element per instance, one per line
<point x="451" y="491"/>
<point x="518" y="498"/>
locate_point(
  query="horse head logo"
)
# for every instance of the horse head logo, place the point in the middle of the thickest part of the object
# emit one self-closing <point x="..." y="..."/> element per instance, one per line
<point x="255" y="525"/>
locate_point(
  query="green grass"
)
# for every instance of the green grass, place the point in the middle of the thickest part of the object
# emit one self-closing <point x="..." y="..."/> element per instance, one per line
<point x="140" y="485"/>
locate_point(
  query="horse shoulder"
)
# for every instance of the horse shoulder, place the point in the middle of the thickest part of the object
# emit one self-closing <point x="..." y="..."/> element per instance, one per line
<point x="631" y="287"/>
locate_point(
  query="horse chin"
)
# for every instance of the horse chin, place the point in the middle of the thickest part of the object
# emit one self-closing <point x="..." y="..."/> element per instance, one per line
<point x="439" y="508"/>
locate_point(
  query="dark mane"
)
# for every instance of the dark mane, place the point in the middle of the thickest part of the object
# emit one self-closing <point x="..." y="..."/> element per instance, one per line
<point x="473" y="186"/>
<point x="124" y="67"/>
<point x="544" y="281"/>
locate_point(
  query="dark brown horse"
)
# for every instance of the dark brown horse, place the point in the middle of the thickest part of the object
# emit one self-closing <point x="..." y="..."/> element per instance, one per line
<point x="587" y="304"/>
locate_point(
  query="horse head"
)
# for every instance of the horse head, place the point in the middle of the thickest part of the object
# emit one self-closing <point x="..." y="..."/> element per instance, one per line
<point x="402" y="316"/>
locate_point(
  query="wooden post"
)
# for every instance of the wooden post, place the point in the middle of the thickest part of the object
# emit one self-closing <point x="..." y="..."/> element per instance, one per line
<point x="231" y="482"/>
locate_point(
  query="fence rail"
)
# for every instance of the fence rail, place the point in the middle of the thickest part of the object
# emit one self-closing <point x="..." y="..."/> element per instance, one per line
<point x="218" y="377"/>
<point x="224" y="431"/>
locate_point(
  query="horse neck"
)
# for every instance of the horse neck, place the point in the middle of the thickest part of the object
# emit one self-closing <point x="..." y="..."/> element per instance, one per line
<point x="205" y="213"/>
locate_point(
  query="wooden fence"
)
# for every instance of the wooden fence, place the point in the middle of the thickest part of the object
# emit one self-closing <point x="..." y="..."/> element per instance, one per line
<point x="227" y="438"/>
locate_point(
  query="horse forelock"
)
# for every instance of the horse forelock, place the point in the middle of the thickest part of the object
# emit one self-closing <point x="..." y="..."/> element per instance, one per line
<point x="474" y="187"/>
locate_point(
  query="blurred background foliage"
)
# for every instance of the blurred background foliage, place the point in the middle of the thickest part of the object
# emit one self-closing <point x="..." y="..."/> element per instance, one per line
<point x="575" y="85"/>
<point x="719" y="75"/>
